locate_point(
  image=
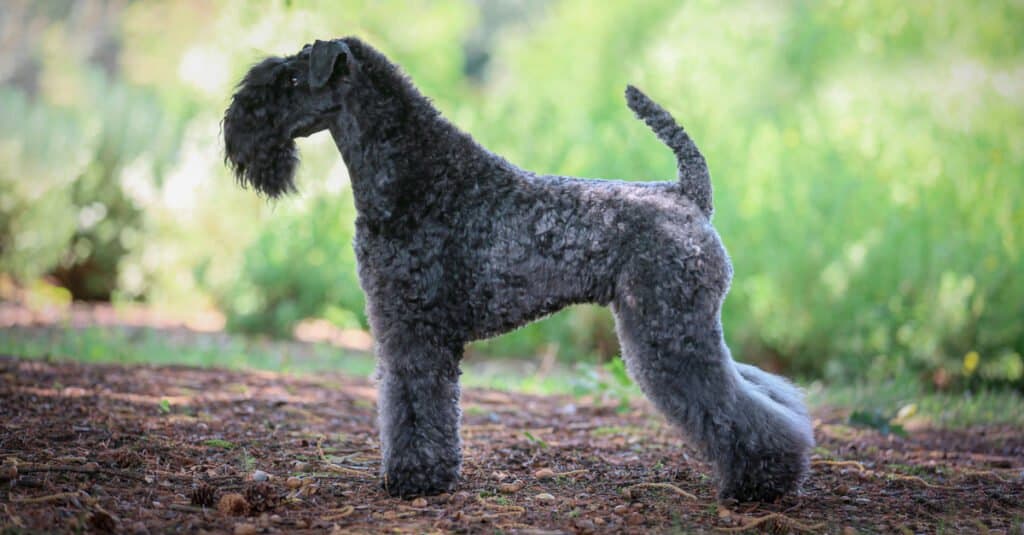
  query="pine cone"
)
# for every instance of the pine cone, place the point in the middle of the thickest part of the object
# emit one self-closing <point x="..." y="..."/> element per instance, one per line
<point x="203" y="495"/>
<point x="126" y="458"/>
<point x="233" y="504"/>
<point x="261" y="496"/>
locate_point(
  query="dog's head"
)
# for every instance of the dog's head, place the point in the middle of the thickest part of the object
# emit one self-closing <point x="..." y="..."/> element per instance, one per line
<point x="280" y="99"/>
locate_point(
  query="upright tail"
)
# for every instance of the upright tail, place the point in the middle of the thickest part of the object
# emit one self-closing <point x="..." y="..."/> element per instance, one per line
<point x="693" y="169"/>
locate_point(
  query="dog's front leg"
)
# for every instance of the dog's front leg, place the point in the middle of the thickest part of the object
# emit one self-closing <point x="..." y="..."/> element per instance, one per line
<point x="419" y="413"/>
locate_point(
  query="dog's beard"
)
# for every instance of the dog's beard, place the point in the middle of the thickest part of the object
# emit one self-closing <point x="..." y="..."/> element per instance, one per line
<point x="269" y="169"/>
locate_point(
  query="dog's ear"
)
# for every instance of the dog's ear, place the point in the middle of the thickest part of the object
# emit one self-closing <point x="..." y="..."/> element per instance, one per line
<point x="323" y="59"/>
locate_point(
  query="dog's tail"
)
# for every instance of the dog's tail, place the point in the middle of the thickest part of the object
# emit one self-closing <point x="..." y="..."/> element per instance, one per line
<point x="693" y="169"/>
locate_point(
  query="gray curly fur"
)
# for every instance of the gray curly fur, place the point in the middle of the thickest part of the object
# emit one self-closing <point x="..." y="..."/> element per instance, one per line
<point x="456" y="244"/>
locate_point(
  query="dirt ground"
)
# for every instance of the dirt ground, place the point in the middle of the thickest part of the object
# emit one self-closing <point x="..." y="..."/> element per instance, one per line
<point x="103" y="448"/>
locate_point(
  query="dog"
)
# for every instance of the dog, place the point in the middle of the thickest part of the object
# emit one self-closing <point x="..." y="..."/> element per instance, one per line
<point x="454" y="244"/>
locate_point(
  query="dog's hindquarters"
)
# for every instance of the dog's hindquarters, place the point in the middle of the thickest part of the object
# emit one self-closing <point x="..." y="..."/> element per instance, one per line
<point x="749" y="424"/>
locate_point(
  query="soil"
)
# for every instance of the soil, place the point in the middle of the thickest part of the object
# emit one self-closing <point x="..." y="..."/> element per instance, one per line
<point x="106" y="448"/>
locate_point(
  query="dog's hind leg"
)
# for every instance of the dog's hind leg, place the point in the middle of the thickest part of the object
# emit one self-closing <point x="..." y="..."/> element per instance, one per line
<point x="418" y="404"/>
<point x="751" y="426"/>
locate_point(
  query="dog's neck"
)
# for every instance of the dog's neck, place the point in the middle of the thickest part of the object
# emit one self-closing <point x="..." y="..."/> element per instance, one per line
<point x="393" y="141"/>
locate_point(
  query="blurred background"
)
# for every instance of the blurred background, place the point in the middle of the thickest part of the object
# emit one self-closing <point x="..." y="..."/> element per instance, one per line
<point x="867" y="161"/>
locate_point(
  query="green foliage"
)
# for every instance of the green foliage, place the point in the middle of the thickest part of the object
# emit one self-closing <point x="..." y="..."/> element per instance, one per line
<point x="219" y="443"/>
<point x="539" y="442"/>
<point x="866" y="161"/>
<point x="875" y="419"/>
<point x="302" y="266"/>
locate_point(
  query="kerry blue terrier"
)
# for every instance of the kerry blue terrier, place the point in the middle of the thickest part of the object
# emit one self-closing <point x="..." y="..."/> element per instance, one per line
<point x="455" y="244"/>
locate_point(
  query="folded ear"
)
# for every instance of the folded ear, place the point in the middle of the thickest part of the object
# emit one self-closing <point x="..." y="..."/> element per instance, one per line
<point x="323" y="58"/>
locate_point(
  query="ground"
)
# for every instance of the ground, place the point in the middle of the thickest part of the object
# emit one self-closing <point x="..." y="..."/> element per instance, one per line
<point x="102" y="447"/>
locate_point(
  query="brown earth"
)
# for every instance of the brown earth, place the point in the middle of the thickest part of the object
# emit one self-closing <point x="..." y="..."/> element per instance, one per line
<point x="104" y="448"/>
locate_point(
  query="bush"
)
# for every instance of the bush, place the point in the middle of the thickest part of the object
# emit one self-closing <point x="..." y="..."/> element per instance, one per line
<point x="301" y="266"/>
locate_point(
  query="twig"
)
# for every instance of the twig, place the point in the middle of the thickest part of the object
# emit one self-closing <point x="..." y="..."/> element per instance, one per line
<point x="60" y="496"/>
<point x="629" y="490"/>
<point x="82" y="470"/>
<point x="571" y="473"/>
<point x="502" y="510"/>
<point x="841" y="464"/>
<point x="180" y="507"/>
<point x="338" y="469"/>
<point x="514" y="525"/>
<point x="345" y="511"/>
<point x="967" y="472"/>
<point x="904" y="477"/>
<point x="14" y="518"/>
<point x="778" y="517"/>
<point x="881" y="473"/>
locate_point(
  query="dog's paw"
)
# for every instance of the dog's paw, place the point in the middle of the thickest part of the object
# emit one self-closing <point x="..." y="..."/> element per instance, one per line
<point x="408" y="476"/>
<point x="763" y="478"/>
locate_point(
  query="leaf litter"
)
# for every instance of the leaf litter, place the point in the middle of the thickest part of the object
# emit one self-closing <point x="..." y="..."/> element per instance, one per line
<point x="147" y="449"/>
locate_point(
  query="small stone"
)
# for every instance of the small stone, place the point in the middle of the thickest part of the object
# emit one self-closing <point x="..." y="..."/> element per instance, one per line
<point x="544" y="473"/>
<point x="293" y="482"/>
<point x="260" y="475"/>
<point x="8" y="471"/>
<point x="621" y="510"/>
<point x="599" y="521"/>
<point x="301" y="466"/>
<point x="511" y="488"/>
<point x="91" y="466"/>
<point x="245" y="528"/>
<point x="849" y="530"/>
<point x="544" y="497"/>
<point x="635" y="519"/>
<point x="419" y="503"/>
<point x="459" y="498"/>
<point x="275" y="519"/>
<point x="584" y="524"/>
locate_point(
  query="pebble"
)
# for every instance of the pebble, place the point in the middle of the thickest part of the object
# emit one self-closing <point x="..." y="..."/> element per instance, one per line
<point x="245" y="528"/>
<point x="301" y="466"/>
<point x="621" y="510"/>
<point x="544" y="473"/>
<point x="511" y="488"/>
<point x="584" y="524"/>
<point x="8" y="471"/>
<point x="545" y="497"/>
<point x="293" y="482"/>
<point x="419" y="503"/>
<point x="260" y="475"/>
<point x="459" y="498"/>
<point x="635" y="519"/>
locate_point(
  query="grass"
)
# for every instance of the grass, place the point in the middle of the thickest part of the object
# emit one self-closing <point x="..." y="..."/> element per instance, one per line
<point x="151" y="346"/>
<point x="943" y="409"/>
